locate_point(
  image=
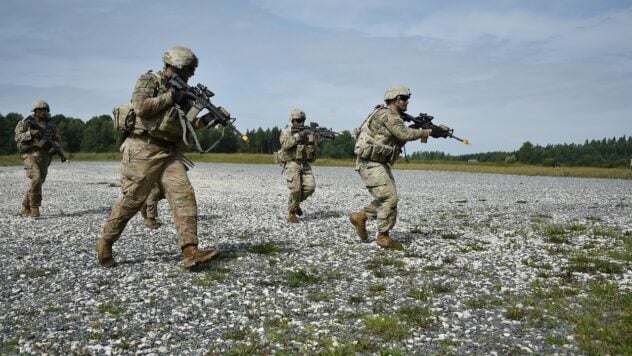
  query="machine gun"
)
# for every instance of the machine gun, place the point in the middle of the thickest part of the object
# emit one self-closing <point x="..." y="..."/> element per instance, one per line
<point x="321" y="133"/>
<point x="424" y="121"/>
<point x="200" y="98"/>
<point x="46" y="137"/>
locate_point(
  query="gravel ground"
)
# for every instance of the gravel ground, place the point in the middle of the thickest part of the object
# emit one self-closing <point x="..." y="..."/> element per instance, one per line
<point x="307" y="288"/>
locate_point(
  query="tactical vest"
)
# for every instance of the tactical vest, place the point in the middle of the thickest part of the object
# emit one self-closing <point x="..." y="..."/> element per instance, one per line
<point x="166" y="124"/>
<point x="373" y="146"/>
<point x="304" y="151"/>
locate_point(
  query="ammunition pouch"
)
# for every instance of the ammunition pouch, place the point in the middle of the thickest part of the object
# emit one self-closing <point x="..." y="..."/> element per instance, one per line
<point x="305" y="153"/>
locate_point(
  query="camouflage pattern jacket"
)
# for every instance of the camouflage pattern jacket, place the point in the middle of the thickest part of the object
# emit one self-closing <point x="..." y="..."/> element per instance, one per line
<point x="31" y="140"/>
<point x="383" y="135"/>
<point x="301" y="149"/>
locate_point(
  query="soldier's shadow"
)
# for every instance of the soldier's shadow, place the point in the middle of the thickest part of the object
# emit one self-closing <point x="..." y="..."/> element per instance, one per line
<point x="99" y="211"/>
<point x="321" y="215"/>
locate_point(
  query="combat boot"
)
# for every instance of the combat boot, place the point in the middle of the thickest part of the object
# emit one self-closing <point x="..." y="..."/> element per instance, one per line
<point x="35" y="213"/>
<point x="104" y="253"/>
<point x="384" y="241"/>
<point x="152" y="223"/>
<point x="25" y="211"/>
<point x="195" y="257"/>
<point x="358" y="220"/>
<point x="299" y="212"/>
<point x="291" y="217"/>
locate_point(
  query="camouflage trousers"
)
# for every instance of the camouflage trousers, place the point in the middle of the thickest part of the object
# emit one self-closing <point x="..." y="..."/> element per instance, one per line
<point x="36" y="167"/>
<point x="150" y="207"/>
<point x="300" y="181"/>
<point x="143" y="165"/>
<point x="378" y="179"/>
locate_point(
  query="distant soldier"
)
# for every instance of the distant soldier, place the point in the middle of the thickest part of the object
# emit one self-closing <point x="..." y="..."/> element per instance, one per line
<point x="149" y="210"/>
<point x="153" y="152"/>
<point x="35" y="137"/>
<point x="378" y="145"/>
<point x="297" y="151"/>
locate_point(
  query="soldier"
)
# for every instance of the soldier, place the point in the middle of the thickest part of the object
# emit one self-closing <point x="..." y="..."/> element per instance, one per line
<point x="297" y="151"/>
<point x="378" y="145"/>
<point x="149" y="210"/>
<point x="153" y="153"/>
<point x="36" y="149"/>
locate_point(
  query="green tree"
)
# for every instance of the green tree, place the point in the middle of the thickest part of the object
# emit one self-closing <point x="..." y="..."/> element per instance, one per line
<point x="99" y="135"/>
<point x="7" y="132"/>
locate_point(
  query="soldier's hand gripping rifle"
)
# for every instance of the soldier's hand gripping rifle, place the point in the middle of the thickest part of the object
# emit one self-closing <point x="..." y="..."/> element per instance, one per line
<point x="321" y="133"/>
<point x="424" y="121"/>
<point x="200" y="98"/>
<point x="46" y="137"/>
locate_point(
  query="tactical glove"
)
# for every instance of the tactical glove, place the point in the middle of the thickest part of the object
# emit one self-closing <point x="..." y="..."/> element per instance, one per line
<point x="178" y="95"/>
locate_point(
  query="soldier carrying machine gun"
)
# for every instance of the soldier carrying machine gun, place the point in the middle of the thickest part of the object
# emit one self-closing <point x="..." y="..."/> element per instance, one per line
<point x="321" y="133"/>
<point x="200" y="99"/>
<point x="46" y="137"/>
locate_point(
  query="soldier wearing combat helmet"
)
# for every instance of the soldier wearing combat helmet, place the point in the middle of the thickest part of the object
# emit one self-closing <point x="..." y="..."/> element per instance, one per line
<point x="35" y="146"/>
<point x="378" y="145"/>
<point x="297" y="151"/>
<point x="153" y="153"/>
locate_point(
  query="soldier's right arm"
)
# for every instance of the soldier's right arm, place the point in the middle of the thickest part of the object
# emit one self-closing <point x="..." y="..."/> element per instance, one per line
<point x="146" y="100"/>
<point x="403" y="133"/>
<point x="22" y="132"/>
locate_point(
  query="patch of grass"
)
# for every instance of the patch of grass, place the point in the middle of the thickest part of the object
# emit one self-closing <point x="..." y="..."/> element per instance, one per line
<point x="420" y="317"/>
<point x="514" y="313"/>
<point x="377" y="289"/>
<point x="555" y="340"/>
<point x="587" y="264"/>
<point x="421" y="294"/>
<point x="110" y="308"/>
<point x="388" y="328"/>
<point x="577" y="227"/>
<point x="356" y="299"/>
<point x="301" y="278"/>
<point x="265" y="249"/>
<point x="609" y="232"/>
<point x="441" y="287"/>
<point x="217" y="274"/>
<point x="318" y="296"/>
<point x="450" y="236"/>
<point x="32" y="272"/>
<point x="593" y="219"/>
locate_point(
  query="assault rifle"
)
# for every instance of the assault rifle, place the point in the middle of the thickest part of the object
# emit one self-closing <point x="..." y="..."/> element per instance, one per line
<point x="200" y="98"/>
<point x="46" y="137"/>
<point x="424" y="121"/>
<point x="321" y="133"/>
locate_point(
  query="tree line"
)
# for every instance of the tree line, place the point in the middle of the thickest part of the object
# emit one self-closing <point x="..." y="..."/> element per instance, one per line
<point x="98" y="135"/>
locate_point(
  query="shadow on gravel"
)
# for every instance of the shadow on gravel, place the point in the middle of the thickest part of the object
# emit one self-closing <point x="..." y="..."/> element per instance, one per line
<point x="101" y="211"/>
<point x="175" y="258"/>
<point x="319" y="215"/>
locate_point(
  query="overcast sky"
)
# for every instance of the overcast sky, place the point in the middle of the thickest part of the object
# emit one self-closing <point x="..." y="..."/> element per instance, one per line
<point x="500" y="72"/>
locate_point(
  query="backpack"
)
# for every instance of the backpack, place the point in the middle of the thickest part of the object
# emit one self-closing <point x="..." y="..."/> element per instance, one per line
<point x="124" y="118"/>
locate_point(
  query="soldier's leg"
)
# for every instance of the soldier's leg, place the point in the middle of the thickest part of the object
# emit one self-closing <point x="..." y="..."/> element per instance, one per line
<point x="381" y="185"/>
<point x="308" y="184"/>
<point x="293" y="180"/>
<point x="181" y="197"/>
<point x="39" y="170"/>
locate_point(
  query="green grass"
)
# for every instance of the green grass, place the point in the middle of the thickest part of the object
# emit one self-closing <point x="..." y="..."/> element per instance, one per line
<point x="495" y="168"/>
<point x="386" y="327"/>
<point x="301" y="278"/>
<point x="217" y="274"/>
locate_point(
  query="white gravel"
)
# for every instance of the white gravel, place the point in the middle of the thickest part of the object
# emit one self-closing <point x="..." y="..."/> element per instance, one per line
<point x="469" y="233"/>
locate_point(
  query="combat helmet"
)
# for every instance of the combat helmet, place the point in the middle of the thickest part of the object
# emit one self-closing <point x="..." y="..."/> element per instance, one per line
<point x="40" y="104"/>
<point x="395" y="90"/>
<point x="297" y="114"/>
<point x="180" y="57"/>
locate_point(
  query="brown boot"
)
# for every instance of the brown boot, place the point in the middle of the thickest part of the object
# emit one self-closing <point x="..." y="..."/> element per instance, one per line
<point x="384" y="241"/>
<point x="152" y="223"/>
<point x="299" y="212"/>
<point x="291" y="217"/>
<point x="195" y="257"/>
<point x="35" y="213"/>
<point x="25" y="211"/>
<point x="104" y="253"/>
<point x="358" y="220"/>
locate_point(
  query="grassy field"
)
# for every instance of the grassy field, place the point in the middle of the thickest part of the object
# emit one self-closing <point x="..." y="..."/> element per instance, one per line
<point x="495" y="168"/>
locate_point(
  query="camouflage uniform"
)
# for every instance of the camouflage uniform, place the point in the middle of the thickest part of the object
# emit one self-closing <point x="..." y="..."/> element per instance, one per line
<point x="153" y="154"/>
<point x="149" y="209"/>
<point x="378" y="146"/>
<point x="35" y="153"/>
<point x="298" y="151"/>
